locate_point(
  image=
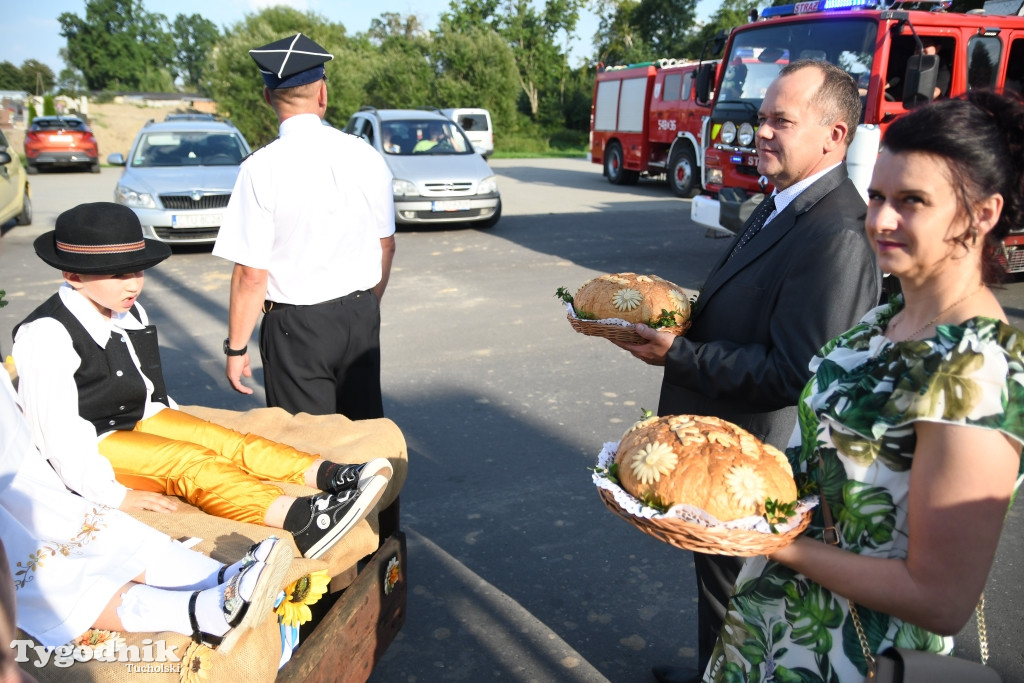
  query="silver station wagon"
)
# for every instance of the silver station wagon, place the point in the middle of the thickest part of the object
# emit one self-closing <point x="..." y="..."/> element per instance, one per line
<point x="179" y="175"/>
<point x="438" y="177"/>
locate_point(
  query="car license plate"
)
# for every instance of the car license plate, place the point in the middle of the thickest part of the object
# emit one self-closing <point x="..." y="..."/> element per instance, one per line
<point x="450" y="205"/>
<point x="60" y="138"/>
<point x="206" y="220"/>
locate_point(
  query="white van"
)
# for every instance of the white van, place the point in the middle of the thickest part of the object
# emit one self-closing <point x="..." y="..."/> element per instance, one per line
<point x="477" y="124"/>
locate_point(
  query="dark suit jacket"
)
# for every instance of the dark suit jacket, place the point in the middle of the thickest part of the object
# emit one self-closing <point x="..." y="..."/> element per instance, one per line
<point x="761" y="316"/>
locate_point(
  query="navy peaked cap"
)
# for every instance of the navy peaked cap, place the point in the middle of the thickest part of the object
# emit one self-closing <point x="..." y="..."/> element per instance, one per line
<point x="291" y="61"/>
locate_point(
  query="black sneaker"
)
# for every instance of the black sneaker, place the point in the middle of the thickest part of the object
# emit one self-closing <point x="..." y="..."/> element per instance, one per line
<point x="349" y="477"/>
<point x="331" y="515"/>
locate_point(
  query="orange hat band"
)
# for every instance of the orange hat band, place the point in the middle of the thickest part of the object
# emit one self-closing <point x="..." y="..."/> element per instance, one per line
<point x="101" y="248"/>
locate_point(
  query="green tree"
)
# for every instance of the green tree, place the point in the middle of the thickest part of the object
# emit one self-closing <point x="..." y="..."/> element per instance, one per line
<point x="118" y="44"/>
<point x="234" y="81"/>
<point x="49" y="109"/>
<point x="195" y="37"/>
<point x="618" y="40"/>
<point x="476" y="68"/>
<point x="70" y="80"/>
<point x="730" y="14"/>
<point x="663" y="25"/>
<point x="36" y="75"/>
<point x="10" y="77"/>
<point x="533" y="37"/>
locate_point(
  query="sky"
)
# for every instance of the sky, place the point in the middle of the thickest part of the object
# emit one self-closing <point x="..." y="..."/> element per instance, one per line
<point x="33" y="32"/>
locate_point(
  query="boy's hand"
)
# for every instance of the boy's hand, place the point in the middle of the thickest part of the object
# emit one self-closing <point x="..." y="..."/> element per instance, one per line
<point x="147" y="500"/>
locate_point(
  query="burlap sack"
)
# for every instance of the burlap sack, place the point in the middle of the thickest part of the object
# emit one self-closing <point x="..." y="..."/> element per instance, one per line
<point x="255" y="657"/>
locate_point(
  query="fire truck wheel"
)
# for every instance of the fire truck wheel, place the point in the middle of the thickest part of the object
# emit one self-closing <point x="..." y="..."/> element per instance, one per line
<point x="615" y="167"/>
<point x="682" y="172"/>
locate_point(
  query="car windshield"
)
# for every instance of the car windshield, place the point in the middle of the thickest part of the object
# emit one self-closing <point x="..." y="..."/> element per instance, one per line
<point x="423" y="136"/>
<point x="58" y="124"/>
<point x="188" y="149"/>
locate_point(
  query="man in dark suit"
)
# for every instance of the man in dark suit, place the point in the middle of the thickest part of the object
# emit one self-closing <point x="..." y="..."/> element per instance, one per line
<point x="799" y="273"/>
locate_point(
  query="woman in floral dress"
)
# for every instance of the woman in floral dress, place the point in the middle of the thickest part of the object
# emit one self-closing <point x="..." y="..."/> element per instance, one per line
<point x="912" y="424"/>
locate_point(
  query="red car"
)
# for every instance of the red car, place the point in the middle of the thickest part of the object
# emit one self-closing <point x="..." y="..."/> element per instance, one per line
<point x="60" y="141"/>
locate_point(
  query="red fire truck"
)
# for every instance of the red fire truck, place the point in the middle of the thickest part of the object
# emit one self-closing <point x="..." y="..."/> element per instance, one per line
<point x="881" y="48"/>
<point x="646" y="118"/>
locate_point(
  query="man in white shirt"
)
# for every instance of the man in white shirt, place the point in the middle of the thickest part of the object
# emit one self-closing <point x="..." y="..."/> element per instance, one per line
<point x="310" y="228"/>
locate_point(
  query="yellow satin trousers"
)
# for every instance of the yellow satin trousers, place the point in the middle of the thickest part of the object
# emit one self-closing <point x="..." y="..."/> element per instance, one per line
<point x="218" y="470"/>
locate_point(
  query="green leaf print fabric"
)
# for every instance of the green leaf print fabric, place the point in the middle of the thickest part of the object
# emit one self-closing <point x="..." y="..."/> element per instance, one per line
<point x="857" y="415"/>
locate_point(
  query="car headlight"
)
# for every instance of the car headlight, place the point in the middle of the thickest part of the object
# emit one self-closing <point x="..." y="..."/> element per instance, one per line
<point x="402" y="188"/>
<point x="488" y="185"/>
<point x="746" y="134"/>
<point x="714" y="176"/>
<point x="129" y="197"/>
<point x="728" y="132"/>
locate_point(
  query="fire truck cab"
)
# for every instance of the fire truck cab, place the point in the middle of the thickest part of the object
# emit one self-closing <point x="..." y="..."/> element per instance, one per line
<point x="883" y="49"/>
<point x="647" y="119"/>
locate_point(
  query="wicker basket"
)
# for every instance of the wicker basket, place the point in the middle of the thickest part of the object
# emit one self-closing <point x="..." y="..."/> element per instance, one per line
<point x="626" y="335"/>
<point x="708" y="540"/>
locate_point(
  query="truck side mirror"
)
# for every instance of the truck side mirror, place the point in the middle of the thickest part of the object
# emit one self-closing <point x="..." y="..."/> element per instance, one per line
<point x="705" y="72"/>
<point x="919" y="83"/>
<point x="718" y="42"/>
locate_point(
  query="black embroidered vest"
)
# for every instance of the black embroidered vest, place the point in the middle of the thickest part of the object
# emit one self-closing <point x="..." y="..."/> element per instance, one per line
<point x="111" y="392"/>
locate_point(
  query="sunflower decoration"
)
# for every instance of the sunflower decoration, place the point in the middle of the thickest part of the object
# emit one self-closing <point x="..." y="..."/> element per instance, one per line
<point x="96" y="639"/>
<point x="392" y="575"/>
<point x="196" y="664"/>
<point x="300" y="594"/>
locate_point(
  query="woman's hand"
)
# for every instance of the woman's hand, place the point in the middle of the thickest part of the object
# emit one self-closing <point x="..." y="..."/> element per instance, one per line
<point x="147" y="500"/>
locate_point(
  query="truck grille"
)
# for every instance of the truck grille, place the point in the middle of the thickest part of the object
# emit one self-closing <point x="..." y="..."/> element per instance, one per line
<point x="1011" y="258"/>
<point x="187" y="203"/>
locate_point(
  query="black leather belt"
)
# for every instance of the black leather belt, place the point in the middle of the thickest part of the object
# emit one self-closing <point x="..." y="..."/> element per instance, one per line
<point x="269" y="305"/>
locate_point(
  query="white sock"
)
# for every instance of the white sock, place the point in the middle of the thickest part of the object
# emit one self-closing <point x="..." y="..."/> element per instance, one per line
<point x="182" y="569"/>
<point x="145" y="609"/>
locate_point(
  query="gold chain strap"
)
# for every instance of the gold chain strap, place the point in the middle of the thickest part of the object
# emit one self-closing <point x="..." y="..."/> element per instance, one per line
<point x="869" y="659"/>
<point x="979" y="613"/>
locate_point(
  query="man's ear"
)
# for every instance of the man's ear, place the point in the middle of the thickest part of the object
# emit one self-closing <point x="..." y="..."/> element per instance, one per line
<point x="837" y="136"/>
<point x="72" y="279"/>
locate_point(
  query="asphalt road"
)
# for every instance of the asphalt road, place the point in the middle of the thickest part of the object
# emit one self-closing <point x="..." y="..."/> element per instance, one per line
<point x="517" y="571"/>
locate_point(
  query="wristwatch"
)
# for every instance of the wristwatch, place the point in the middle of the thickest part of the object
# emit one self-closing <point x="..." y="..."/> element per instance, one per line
<point x="228" y="351"/>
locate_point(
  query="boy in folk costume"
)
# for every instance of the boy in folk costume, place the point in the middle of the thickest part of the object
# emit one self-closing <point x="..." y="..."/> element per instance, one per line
<point x="93" y="392"/>
<point x="77" y="565"/>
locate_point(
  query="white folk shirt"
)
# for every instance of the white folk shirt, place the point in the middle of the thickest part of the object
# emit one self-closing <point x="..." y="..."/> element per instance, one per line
<point x="310" y="208"/>
<point x="46" y="362"/>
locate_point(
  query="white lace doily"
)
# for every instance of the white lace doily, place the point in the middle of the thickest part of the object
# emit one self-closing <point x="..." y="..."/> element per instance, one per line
<point x="687" y="513"/>
<point x="604" y="321"/>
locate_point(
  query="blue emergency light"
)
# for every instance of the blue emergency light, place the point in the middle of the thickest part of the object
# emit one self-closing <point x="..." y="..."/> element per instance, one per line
<point x="817" y="6"/>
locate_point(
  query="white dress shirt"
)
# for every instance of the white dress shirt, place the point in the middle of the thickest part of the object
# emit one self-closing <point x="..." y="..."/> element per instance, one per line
<point x="310" y="208"/>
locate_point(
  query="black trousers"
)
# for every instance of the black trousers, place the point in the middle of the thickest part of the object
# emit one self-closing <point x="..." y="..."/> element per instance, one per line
<point x="716" y="577"/>
<point x="324" y="358"/>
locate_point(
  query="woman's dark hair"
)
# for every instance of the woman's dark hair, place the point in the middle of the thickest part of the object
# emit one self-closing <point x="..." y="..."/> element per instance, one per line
<point x="981" y="137"/>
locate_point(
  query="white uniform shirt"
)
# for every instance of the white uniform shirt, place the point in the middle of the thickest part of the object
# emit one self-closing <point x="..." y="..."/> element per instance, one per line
<point x="310" y="208"/>
<point x="46" y="361"/>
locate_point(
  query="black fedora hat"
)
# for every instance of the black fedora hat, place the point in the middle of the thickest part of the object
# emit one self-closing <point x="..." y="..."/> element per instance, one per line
<point x="101" y="238"/>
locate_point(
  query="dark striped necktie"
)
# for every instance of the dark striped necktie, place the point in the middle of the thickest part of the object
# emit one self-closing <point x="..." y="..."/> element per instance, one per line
<point x="757" y="221"/>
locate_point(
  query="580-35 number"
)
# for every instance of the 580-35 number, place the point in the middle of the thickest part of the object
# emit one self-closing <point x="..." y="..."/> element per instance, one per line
<point x="670" y="124"/>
